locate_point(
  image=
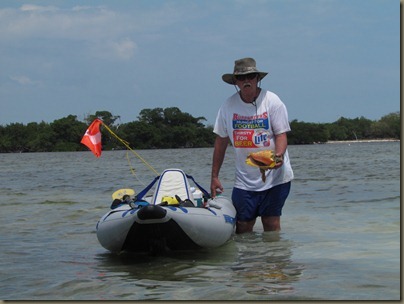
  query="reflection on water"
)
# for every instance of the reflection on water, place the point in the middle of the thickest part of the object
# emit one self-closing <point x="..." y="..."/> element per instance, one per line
<point x="251" y="266"/>
<point x="265" y="264"/>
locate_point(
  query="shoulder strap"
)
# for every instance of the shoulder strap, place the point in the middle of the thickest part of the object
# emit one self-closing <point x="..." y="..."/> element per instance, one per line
<point x="145" y="190"/>
<point x="199" y="186"/>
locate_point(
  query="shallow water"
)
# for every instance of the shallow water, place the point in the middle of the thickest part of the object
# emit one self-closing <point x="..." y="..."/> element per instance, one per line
<point x="340" y="237"/>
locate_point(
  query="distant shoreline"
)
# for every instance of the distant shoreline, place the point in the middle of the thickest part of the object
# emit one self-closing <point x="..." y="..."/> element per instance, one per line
<point x="361" y="141"/>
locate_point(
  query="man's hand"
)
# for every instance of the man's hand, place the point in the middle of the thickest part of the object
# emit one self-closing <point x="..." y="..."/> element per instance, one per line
<point x="278" y="161"/>
<point x="215" y="187"/>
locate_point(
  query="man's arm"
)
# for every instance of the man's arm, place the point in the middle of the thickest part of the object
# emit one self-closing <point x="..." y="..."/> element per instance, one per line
<point x="281" y="143"/>
<point x="221" y="144"/>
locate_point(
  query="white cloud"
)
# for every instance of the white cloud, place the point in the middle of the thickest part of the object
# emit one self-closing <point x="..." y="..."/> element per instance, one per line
<point x="32" y="7"/>
<point x="97" y="28"/>
<point x="23" y="80"/>
<point x="124" y="49"/>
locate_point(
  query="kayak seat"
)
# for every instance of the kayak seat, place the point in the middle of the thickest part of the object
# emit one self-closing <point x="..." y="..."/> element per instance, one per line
<point x="173" y="182"/>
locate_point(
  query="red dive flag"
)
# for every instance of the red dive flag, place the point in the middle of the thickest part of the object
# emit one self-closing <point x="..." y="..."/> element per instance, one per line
<point x="92" y="137"/>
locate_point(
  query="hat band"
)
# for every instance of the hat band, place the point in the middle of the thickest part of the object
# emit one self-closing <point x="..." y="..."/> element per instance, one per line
<point x="246" y="70"/>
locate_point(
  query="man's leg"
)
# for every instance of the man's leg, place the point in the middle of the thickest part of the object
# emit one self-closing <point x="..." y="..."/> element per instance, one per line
<point x="271" y="223"/>
<point x="243" y="227"/>
<point x="271" y="209"/>
<point x="245" y="203"/>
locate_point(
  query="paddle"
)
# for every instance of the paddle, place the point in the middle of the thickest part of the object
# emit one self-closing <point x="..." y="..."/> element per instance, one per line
<point x="118" y="194"/>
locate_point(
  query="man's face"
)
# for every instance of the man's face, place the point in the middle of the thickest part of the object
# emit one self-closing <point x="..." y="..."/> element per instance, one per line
<point x="247" y="82"/>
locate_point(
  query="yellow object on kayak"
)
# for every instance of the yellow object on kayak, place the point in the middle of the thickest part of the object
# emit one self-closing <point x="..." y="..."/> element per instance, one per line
<point x="169" y="200"/>
<point x="118" y="194"/>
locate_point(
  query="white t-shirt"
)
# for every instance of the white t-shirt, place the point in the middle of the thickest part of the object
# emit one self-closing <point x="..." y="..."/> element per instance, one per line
<point x="251" y="128"/>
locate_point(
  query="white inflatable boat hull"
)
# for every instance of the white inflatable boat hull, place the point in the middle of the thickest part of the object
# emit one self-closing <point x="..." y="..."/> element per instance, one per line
<point x="152" y="227"/>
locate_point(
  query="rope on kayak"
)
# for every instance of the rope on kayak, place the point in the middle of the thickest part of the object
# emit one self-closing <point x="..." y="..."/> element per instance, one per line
<point x="126" y="144"/>
<point x="132" y="170"/>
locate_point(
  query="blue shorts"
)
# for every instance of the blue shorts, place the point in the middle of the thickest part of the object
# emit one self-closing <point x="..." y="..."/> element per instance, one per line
<point x="251" y="204"/>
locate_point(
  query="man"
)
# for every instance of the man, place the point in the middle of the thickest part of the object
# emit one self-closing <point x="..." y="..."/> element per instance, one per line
<point x="253" y="120"/>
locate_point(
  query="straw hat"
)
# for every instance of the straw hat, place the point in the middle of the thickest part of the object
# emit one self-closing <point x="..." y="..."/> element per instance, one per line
<point x="242" y="67"/>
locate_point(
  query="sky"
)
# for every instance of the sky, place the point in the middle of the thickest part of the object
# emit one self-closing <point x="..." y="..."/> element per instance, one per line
<point x="326" y="59"/>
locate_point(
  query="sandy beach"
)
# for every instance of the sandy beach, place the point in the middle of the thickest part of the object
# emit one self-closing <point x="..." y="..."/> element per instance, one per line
<point x="361" y="141"/>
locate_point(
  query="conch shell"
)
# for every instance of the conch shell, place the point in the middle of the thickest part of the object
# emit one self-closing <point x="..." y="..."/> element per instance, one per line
<point x="264" y="160"/>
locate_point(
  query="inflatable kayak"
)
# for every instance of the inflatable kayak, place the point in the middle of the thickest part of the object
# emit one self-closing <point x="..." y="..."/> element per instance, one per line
<point x="174" y="217"/>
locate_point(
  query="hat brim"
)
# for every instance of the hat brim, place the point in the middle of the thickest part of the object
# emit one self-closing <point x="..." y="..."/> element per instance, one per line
<point x="229" y="78"/>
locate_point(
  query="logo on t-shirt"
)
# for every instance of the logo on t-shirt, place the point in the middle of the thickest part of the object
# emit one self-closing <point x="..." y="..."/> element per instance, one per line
<point x="251" y="131"/>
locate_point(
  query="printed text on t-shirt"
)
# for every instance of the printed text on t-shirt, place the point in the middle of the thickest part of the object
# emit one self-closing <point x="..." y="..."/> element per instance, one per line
<point x="251" y="131"/>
